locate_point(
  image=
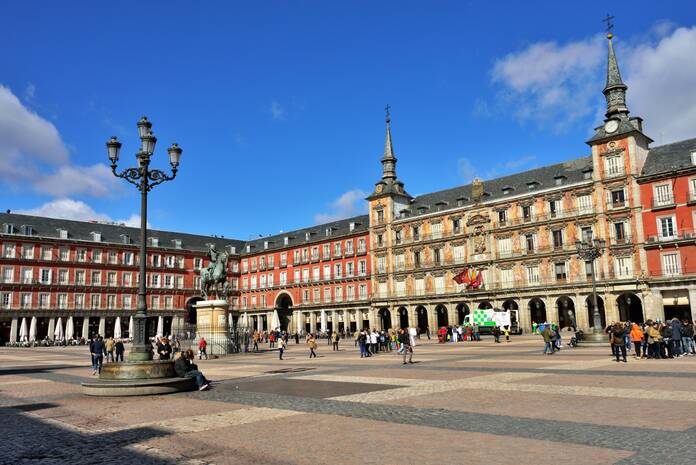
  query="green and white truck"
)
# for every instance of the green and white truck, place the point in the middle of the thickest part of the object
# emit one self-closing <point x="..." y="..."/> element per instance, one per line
<point x="489" y="318"/>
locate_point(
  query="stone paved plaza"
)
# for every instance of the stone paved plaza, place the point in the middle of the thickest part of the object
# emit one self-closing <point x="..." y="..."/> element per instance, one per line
<point x="465" y="403"/>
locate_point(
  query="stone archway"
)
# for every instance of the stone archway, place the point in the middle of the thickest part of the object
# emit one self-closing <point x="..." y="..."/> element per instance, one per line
<point x="403" y="317"/>
<point x="191" y="314"/>
<point x="485" y="305"/>
<point x="510" y="305"/>
<point x="283" y="305"/>
<point x="385" y="318"/>
<point x="630" y="308"/>
<point x="422" y="316"/>
<point x="537" y="311"/>
<point x="590" y="311"/>
<point x="442" y="319"/>
<point x="566" y="313"/>
<point x="462" y="311"/>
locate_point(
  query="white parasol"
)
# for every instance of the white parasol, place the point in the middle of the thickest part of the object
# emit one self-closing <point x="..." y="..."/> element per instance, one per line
<point x="160" y="326"/>
<point x="275" y="321"/>
<point x="58" y="333"/>
<point x="323" y="321"/>
<point x="23" y="333"/>
<point x="69" y="329"/>
<point x="117" y="328"/>
<point x="32" y="329"/>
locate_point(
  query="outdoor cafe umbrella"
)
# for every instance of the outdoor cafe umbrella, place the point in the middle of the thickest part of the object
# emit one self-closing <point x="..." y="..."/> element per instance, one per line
<point x="32" y="329"/>
<point x="130" y="327"/>
<point x="323" y="321"/>
<point x="160" y="326"/>
<point x="275" y="322"/>
<point x="58" y="333"/>
<point x="23" y="333"/>
<point x="69" y="329"/>
<point x="117" y="328"/>
<point x="246" y="320"/>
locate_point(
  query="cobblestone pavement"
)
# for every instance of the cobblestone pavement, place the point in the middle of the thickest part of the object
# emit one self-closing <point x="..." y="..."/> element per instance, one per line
<point x="472" y="403"/>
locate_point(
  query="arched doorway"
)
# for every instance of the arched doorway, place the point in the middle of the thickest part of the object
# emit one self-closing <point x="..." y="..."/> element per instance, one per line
<point x="462" y="311"/>
<point x="510" y="305"/>
<point x="590" y="311"/>
<point x="630" y="308"/>
<point x="403" y="317"/>
<point x="566" y="312"/>
<point x="537" y="311"/>
<point x="441" y="312"/>
<point x="191" y="310"/>
<point x="385" y="318"/>
<point x="485" y="305"/>
<point x="422" y="315"/>
<point x="283" y="305"/>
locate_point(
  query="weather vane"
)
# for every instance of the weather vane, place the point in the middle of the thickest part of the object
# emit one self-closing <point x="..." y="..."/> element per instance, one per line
<point x="610" y="25"/>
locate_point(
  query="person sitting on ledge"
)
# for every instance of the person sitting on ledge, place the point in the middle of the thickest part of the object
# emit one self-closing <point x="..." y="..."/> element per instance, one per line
<point x="185" y="369"/>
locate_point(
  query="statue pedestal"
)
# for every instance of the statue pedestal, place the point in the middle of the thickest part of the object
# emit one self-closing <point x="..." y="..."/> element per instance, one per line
<point x="212" y="324"/>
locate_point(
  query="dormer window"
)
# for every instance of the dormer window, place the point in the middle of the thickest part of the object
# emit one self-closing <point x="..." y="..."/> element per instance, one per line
<point x="328" y="232"/>
<point x="559" y="180"/>
<point x="27" y="230"/>
<point x="351" y="226"/>
<point x="154" y="242"/>
<point x="7" y="228"/>
<point x="176" y="243"/>
<point x="422" y="210"/>
<point x="507" y="190"/>
<point x="265" y="245"/>
<point x="403" y="213"/>
<point x="307" y="235"/>
<point x="96" y="236"/>
<point x="286" y="240"/>
<point x="461" y="201"/>
<point x="531" y="185"/>
<point x="232" y="249"/>
<point x="693" y="158"/>
<point x="587" y="173"/>
<point x="440" y="206"/>
<point x="125" y="239"/>
<point x="248" y="248"/>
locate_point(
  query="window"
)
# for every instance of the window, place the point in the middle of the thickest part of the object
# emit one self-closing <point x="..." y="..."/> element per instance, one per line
<point x="560" y="271"/>
<point x="416" y="233"/>
<point x="96" y="278"/>
<point x="305" y="275"/>
<point x="25" y="301"/>
<point x="79" y="301"/>
<point x="530" y="242"/>
<point x="624" y="267"/>
<point x="527" y="212"/>
<point x="458" y="253"/>
<point x="618" y="198"/>
<point x="614" y="166"/>
<point x="327" y="294"/>
<point x="380" y="240"/>
<point x="557" y="238"/>
<point x="361" y="246"/>
<point x="362" y="267"/>
<point x="80" y="277"/>
<point x="338" y="294"/>
<point x="670" y="264"/>
<point x="420" y="286"/>
<point x="155" y="302"/>
<point x="180" y="282"/>
<point x="456" y="226"/>
<point x="96" y="300"/>
<point x="584" y="203"/>
<point x="128" y="258"/>
<point x="416" y="259"/>
<point x="337" y="249"/>
<point x="380" y="216"/>
<point x="6" y="300"/>
<point x="439" y="284"/>
<point x="28" y="251"/>
<point x="284" y="259"/>
<point x="350" y="269"/>
<point x="168" y="301"/>
<point x="271" y="261"/>
<point x="110" y="301"/>
<point x="505" y="247"/>
<point x="327" y="272"/>
<point x="693" y="158"/>
<point x="533" y="274"/>
<point x="296" y="276"/>
<point x="663" y="195"/>
<point x="316" y="297"/>
<point x="436" y="229"/>
<point x="262" y="281"/>
<point x="554" y="208"/>
<point x="619" y="232"/>
<point x="315" y="253"/>
<point x="252" y="282"/>
<point x="397" y="236"/>
<point x="169" y="261"/>
<point x="7" y="275"/>
<point x="63" y="277"/>
<point x="326" y="251"/>
<point x="45" y="277"/>
<point x="198" y="263"/>
<point x="399" y="262"/>
<point x="111" y="278"/>
<point x="113" y="257"/>
<point x="502" y="217"/>
<point x="381" y="264"/>
<point x="400" y="287"/>
<point x="436" y="256"/>
<point x="586" y="234"/>
<point x="96" y="256"/>
<point x="305" y="296"/>
<point x="168" y="281"/>
<point x="295" y="257"/>
<point x="27" y="275"/>
<point x="155" y="280"/>
<point x="316" y="273"/>
<point x="665" y="227"/>
<point x="64" y="254"/>
<point x="44" y="300"/>
<point x="127" y="301"/>
<point x="506" y="278"/>
<point x="81" y="255"/>
<point x="350" y="293"/>
<point x="8" y="251"/>
<point x="269" y="279"/>
<point x="127" y="279"/>
<point x="46" y="253"/>
<point x="283" y="278"/>
<point x="155" y="260"/>
<point x="363" y="291"/>
<point x="337" y="270"/>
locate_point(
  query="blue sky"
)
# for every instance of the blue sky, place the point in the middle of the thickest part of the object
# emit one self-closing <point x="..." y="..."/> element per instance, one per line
<point x="279" y="105"/>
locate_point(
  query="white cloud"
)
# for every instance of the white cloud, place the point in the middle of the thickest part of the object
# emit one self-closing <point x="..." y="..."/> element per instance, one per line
<point x="69" y="209"/>
<point x="277" y="110"/>
<point x="557" y="85"/>
<point x="33" y="154"/>
<point x="349" y="204"/>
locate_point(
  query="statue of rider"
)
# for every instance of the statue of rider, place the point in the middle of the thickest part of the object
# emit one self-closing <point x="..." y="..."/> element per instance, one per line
<point x="212" y="255"/>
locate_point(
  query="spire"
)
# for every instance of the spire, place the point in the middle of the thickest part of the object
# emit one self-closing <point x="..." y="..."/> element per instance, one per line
<point x="615" y="89"/>
<point x="388" y="160"/>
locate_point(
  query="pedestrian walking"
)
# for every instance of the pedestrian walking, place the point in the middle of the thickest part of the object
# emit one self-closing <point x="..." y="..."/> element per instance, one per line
<point x="312" y="343"/>
<point x="506" y="332"/>
<point x="637" y="338"/>
<point x="281" y="347"/>
<point x="405" y="342"/>
<point x="496" y="333"/>
<point x="546" y="334"/>
<point x="109" y="349"/>
<point x="334" y="340"/>
<point x="96" y="348"/>
<point x="619" y="340"/>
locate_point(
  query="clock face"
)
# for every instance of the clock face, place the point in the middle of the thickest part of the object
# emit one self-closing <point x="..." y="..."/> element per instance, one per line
<point x="379" y="188"/>
<point x="611" y="126"/>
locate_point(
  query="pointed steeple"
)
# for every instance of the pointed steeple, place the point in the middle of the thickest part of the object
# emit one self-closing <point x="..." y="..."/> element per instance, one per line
<point x="388" y="160"/>
<point x="615" y="89"/>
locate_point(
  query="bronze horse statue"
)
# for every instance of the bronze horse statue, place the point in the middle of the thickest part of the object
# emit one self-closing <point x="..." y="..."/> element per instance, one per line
<point x="214" y="278"/>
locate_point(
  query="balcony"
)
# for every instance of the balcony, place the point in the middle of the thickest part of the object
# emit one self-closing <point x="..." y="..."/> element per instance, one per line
<point x="677" y="236"/>
<point x="663" y="201"/>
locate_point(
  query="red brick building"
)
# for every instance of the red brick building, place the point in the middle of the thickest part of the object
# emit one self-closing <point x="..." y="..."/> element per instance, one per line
<point x="668" y="193"/>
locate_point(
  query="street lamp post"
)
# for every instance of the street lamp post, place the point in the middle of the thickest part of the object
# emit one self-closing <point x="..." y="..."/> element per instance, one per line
<point x="590" y="251"/>
<point x="144" y="179"/>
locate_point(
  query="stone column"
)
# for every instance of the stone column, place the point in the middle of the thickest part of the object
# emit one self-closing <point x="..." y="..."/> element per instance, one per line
<point x="334" y="321"/>
<point x="395" y="320"/>
<point x="296" y="317"/>
<point x="432" y="320"/>
<point x="259" y="322"/>
<point x="525" y="317"/>
<point x="13" y="330"/>
<point x="611" y="310"/>
<point x="551" y="310"/>
<point x="452" y="315"/>
<point x="269" y="320"/>
<point x="412" y="317"/>
<point x="102" y="326"/>
<point x="313" y="322"/>
<point x="581" y="313"/>
<point x="85" y="328"/>
<point x="346" y="320"/>
<point x="51" y="328"/>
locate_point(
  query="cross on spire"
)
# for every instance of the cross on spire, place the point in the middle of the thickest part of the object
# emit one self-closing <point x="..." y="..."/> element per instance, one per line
<point x="610" y="25"/>
<point x="386" y="109"/>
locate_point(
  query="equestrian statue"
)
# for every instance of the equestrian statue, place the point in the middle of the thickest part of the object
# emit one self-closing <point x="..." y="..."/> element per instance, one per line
<point x="214" y="277"/>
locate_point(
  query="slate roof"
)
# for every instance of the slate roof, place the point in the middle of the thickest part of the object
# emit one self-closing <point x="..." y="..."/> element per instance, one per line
<point x="316" y="234"/>
<point x="669" y="157"/>
<point x="111" y="233"/>
<point x="545" y="177"/>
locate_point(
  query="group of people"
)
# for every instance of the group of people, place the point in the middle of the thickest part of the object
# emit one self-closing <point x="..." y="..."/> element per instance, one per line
<point x="652" y="339"/>
<point x="113" y="349"/>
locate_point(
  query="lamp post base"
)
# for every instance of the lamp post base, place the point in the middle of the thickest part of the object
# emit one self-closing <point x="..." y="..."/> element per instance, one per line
<point x="595" y="337"/>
